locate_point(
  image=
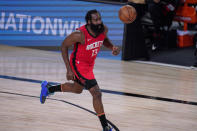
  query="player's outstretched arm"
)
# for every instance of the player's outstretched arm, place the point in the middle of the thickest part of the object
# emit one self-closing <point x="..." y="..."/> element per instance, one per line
<point x="107" y="43"/>
<point x="71" y="39"/>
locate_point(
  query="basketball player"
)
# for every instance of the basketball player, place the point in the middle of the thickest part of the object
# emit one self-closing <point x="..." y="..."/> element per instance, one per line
<point x="135" y="47"/>
<point x="87" y="41"/>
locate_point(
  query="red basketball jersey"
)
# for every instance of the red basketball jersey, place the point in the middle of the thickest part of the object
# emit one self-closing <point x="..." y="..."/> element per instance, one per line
<point x="86" y="53"/>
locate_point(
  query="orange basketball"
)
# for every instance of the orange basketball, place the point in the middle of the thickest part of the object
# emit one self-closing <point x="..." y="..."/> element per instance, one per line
<point x="127" y="14"/>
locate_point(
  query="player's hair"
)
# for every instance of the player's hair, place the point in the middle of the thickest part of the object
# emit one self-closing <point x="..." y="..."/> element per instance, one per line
<point x="89" y="14"/>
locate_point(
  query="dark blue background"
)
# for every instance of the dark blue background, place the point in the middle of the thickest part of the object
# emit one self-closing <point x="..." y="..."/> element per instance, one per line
<point x="69" y="11"/>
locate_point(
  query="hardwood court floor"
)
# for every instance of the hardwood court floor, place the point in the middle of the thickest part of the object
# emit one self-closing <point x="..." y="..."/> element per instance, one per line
<point x="136" y="96"/>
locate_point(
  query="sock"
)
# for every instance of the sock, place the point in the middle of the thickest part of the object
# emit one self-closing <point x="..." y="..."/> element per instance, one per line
<point x="103" y="120"/>
<point x="56" y="88"/>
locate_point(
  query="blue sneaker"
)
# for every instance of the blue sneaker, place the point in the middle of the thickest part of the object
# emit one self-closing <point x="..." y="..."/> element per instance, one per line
<point x="107" y="128"/>
<point x="44" y="92"/>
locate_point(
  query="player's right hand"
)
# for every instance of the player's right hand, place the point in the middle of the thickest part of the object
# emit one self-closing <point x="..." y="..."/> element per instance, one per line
<point x="70" y="75"/>
<point x="115" y="50"/>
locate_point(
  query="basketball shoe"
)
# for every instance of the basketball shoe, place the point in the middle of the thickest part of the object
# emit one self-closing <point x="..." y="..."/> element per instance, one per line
<point x="44" y="91"/>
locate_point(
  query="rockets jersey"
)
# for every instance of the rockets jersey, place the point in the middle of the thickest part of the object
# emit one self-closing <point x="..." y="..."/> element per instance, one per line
<point x="86" y="53"/>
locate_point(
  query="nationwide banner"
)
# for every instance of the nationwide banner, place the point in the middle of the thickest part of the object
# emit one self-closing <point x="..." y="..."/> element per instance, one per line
<point x="48" y="22"/>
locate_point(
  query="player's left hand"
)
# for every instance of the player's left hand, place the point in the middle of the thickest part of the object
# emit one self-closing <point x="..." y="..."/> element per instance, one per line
<point x="115" y="50"/>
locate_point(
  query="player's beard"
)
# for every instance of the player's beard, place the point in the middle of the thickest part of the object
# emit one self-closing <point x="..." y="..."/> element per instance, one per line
<point x="97" y="29"/>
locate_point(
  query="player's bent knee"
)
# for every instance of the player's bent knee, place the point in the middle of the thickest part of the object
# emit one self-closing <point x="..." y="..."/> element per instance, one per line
<point x="78" y="91"/>
<point x="97" y="94"/>
<point x="77" y="88"/>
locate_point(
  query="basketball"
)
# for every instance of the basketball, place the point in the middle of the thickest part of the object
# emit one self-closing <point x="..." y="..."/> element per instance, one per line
<point x="127" y="14"/>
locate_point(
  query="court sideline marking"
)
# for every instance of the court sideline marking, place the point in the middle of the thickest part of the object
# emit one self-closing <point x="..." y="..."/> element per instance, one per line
<point x="110" y="91"/>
